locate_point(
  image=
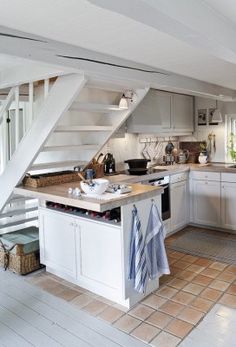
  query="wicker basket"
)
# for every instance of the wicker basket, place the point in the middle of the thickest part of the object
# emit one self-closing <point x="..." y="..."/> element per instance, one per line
<point x="50" y="179"/>
<point x="19" y="250"/>
<point x="22" y="264"/>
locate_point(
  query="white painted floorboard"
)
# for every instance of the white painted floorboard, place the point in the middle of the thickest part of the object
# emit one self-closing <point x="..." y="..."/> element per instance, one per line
<point x="31" y="317"/>
<point x="217" y="329"/>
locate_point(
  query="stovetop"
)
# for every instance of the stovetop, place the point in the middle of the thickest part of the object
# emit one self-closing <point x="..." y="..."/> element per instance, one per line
<point x="149" y="172"/>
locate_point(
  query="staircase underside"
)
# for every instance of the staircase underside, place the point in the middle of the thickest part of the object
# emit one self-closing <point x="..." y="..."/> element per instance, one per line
<point x="76" y="119"/>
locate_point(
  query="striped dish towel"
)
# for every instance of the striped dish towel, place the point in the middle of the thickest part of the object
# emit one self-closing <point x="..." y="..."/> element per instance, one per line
<point x="137" y="262"/>
<point x="157" y="262"/>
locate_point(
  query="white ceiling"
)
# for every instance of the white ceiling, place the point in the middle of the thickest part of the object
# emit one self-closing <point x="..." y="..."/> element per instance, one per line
<point x="7" y="61"/>
<point x="80" y="23"/>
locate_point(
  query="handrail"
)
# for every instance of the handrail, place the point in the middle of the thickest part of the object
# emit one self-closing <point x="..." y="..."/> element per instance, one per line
<point x="7" y="103"/>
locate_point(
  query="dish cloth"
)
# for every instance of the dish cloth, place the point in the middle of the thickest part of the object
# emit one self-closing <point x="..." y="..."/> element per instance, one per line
<point x="157" y="262"/>
<point x="137" y="262"/>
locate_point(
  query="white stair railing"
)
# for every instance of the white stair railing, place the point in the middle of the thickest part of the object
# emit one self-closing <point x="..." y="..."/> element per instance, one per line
<point x="57" y="102"/>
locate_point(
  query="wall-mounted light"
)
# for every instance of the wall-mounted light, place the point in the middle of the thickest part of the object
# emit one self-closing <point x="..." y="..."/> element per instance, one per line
<point x="128" y="95"/>
<point x="217" y="116"/>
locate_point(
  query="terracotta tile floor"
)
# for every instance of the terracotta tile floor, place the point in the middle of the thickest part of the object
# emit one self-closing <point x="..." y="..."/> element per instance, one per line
<point x="167" y="316"/>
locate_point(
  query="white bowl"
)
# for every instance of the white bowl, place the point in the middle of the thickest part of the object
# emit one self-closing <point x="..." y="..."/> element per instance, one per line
<point x="99" y="187"/>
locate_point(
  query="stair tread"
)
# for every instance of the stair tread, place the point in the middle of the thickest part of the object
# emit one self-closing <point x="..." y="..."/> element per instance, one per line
<point x="19" y="222"/>
<point x="77" y="128"/>
<point x="19" y="198"/>
<point x="94" y="107"/>
<point x="69" y="148"/>
<point x="53" y="165"/>
<point x="18" y="212"/>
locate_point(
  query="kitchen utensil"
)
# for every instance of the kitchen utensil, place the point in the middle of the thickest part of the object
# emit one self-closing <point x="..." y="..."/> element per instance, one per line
<point x="214" y="142"/>
<point x="99" y="187"/>
<point x="151" y="150"/>
<point x="100" y="158"/>
<point x="89" y="174"/>
<point x="168" y="159"/>
<point x="145" y="151"/>
<point x="137" y="163"/>
<point x="159" y="151"/>
<point x="210" y="136"/>
<point x="109" y="164"/>
<point x="169" y="147"/>
<point x="89" y="182"/>
<point x="183" y="156"/>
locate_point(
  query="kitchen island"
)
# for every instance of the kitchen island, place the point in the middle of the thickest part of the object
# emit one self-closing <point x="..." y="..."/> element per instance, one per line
<point x="80" y="244"/>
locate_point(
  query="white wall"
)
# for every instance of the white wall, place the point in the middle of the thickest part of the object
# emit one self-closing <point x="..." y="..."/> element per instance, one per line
<point x="201" y="132"/>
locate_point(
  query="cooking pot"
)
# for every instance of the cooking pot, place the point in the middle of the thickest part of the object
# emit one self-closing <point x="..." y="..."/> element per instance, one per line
<point x="137" y="163"/>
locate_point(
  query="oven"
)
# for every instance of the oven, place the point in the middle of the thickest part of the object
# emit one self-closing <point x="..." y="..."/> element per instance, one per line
<point x="165" y="197"/>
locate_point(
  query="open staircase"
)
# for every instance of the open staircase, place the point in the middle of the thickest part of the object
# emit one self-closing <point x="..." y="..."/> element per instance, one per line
<point x="69" y="120"/>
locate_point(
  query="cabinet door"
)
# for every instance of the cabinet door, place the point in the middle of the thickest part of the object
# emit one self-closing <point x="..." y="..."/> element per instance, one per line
<point x="57" y="243"/>
<point x="99" y="255"/>
<point x="152" y="114"/>
<point x="228" y="203"/>
<point x="182" y="112"/>
<point x="179" y="205"/>
<point x="206" y="202"/>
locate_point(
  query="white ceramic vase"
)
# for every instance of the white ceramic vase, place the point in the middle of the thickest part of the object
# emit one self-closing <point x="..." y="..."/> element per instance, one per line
<point x="202" y="158"/>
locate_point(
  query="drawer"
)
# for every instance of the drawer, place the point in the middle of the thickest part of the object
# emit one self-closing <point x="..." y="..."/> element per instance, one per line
<point x="205" y="175"/>
<point x="228" y="177"/>
<point x="179" y="177"/>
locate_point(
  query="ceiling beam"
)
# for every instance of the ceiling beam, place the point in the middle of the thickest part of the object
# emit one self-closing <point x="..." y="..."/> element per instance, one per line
<point x="191" y="21"/>
<point x="52" y="52"/>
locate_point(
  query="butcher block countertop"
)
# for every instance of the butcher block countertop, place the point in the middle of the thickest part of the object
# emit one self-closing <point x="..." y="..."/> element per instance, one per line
<point x="59" y="194"/>
<point x="169" y="170"/>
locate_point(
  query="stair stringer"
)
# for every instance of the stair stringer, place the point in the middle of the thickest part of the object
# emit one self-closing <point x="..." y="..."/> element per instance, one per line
<point x="124" y="115"/>
<point x="61" y="96"/>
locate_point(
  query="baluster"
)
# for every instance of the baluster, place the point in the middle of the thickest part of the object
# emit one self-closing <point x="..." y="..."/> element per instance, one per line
<point x="31" y="102"/>
<point x="46" y="88"/>
<point x="17" y="116"/>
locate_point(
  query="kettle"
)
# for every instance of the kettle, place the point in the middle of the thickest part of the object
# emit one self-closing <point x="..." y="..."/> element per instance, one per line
<point x="109" y="164"/>
<point x="183" y="156"/>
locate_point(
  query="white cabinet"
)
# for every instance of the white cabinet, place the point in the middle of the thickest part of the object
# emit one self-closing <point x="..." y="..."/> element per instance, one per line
<point x="179" y="205"/>
<point x="206" y="202"/>
<point x="86" y="252"/>
<point x="99" y="255"/>
<point x="162" y="112"/>
<point x="228" y="205"/>
<point x="58" y="243"/>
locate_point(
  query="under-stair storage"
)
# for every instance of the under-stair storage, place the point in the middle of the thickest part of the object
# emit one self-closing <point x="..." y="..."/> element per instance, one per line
<point x="66" y="122"/>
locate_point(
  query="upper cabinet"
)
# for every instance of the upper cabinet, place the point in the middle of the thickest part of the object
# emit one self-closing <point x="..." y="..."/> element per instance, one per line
<point x="182" y="112"/>
<point x="162" y="112"/>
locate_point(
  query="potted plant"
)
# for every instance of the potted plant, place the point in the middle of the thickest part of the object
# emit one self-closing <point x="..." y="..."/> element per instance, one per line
<point x="203" y="156"/>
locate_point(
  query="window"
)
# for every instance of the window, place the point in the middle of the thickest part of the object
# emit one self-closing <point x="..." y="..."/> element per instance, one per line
<point x="230" y="128"/>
